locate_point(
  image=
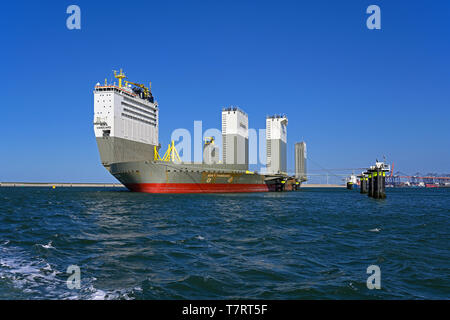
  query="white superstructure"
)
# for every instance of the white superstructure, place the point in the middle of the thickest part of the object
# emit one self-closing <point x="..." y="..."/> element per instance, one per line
<point x="125" y="121"/>
<point x="122" y="113"/>
<point x="352" y="179"/>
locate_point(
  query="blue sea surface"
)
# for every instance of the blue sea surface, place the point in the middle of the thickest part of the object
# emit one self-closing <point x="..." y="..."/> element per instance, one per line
<point x="310" y="244"/>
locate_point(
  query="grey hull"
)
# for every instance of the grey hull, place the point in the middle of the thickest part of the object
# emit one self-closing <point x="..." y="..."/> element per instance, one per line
<point x="169" y="177"/>
<point x="115" y="150"/>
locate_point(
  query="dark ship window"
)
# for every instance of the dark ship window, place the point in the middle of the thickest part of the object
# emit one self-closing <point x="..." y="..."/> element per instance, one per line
<point x="106" y="133"/>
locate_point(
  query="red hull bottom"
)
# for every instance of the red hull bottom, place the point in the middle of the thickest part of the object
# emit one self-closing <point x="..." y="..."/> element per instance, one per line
<point x="196" y="187"/>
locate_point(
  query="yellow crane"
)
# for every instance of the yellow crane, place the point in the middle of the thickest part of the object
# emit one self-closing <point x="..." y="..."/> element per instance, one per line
<point x="120" y="76"/>
<point x="209" y="140"/>
<point x="147" y="91"/>
<point x="171" y="154"/>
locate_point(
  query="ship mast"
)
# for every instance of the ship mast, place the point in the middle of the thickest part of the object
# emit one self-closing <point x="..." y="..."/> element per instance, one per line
<point x="119" y="76"/>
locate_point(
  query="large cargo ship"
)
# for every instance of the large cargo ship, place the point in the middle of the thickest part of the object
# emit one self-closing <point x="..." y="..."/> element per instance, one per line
<point x="126" y="128"/>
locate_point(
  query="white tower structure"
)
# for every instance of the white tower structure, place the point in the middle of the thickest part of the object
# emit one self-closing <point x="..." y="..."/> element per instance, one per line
<point x="235" y="137"/>
<point x="276" y="140"/>
<point x="300" y="161"/>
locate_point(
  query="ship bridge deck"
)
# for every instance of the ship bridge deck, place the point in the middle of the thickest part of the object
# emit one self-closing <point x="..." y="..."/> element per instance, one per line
<point x="115" y="89"/>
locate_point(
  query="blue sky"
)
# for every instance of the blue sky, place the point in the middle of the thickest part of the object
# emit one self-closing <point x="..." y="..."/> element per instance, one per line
<point x="351" y="93"/>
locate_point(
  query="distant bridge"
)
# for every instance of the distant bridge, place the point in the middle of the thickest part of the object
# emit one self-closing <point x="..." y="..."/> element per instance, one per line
<point x="399" y="179"/>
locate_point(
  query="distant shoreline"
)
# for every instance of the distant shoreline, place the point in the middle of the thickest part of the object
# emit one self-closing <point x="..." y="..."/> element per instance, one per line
<point x="116" y="185"/>
<point x="60" y="184"/>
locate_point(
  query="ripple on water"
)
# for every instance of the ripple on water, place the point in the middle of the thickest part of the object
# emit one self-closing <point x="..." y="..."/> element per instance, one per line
<point x="310" y="244"/>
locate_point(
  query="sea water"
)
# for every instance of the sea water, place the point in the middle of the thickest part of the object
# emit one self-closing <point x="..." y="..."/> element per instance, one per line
<point x="309" y="244"/>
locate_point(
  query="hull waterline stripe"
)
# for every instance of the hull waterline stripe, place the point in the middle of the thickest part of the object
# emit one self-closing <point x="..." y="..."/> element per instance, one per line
<point x="196" y="187"/>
